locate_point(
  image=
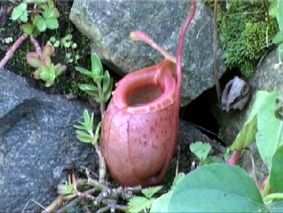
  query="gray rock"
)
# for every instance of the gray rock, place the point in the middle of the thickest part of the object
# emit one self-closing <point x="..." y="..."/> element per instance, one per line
<point x="38" y="146"/>
<point x="109" y="23"/>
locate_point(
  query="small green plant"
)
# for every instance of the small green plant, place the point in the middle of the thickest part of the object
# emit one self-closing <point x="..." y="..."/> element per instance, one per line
<point x="85" y="131"/>
<point x="44" y="15"/>
<point x="143" y="203"/>
<point x="70" y="46"/>
<point x="45" y="69"/>
<point x="69" y="188"/>
<point x="101" y="88"/>
<point x="46" y="18"/>
<point x="201" y="151"/>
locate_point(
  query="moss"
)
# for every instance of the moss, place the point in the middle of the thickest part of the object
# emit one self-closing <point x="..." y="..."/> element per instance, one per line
<point x="243" y="30"/>
<point x="18" y="62"/>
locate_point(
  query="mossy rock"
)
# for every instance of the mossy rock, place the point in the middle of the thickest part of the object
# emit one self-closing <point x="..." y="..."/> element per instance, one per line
<point x="246" y="32"/>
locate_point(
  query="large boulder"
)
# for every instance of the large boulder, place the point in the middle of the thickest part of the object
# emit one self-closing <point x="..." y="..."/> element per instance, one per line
<point x="109" y="23"/>
<point x="38" y="145"/>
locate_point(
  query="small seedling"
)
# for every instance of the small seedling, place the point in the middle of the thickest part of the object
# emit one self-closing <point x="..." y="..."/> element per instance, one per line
<point x="101" y="90"/>
<point x="85" y="130"/>
<point x="143" y="203"/>
<point x="66" y="42"/>
<point x="69" y="188"/>
<point x="43" y="16"/>
<point x="46" y="70"/>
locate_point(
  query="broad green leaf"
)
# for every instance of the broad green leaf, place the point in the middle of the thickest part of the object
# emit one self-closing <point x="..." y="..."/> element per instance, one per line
<point x="268" y="136"/>
<point x="280" y="14"/>
<point x="201" y="150"/>
<point x="41" y="24"/>
<point x="84" y="71"/>
<point x="150" y="191"/>
<point x="276" y="206"/>
<point x="247" y="135"/>
<point x="96" y="65"/>
<point x="28" y="29"/>
<point x="49" y="13"/>
<point x="273" y="9"/>
<point x="260" y="97"/>
<point x="161" y="204"/>
<point x="278" y="38"/>
<point x="276" y="173"/>
<point x="216" y="188"/>
<point x="137" y="204"/>
<point x="20" y="12"/>
<point x="52" y="23"/>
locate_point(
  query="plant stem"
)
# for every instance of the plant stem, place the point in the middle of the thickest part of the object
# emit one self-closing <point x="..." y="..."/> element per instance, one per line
<point x="266" y="188"/>
<point x="274" y="196"/>
<point x="215" y="48"/>
<point x="102" y="164"/>
<point x="12" y="50"/>
<point x="233" y="160"/>
<point x="36" y="45"/>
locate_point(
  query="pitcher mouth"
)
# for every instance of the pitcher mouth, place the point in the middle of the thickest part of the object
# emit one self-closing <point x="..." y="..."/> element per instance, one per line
<point x="146" y="90"/>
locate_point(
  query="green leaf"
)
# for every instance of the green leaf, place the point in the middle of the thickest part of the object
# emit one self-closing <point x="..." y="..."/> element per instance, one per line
<point x="86" y="116"/>
<point x="84" y="139"/>
<point x="79" y="127"/>
<point x="201" y="150"/>
<point x="280" y="14"/>
<point x="268" y="136"/>
<point x="20" y="12"/>
<point x="213" y="159"/>
<point x="106" y="82"/>
<point x="96" y="65"/>
<point x="137" y="204"/>
<point x="41" y="24"/>
<point x="276" y="173"/>
<point x="88" y="87"/>
<point x="28" y="29"/>
<point x="52" y="23"/>
<point x="276" y="206"/>
<point x="150" y="191"/>
<point x="84" y="71"/>
<point x="273" y="9"/>
<point x="48" y="13"/>
<point x="278" y="38"/>
<point x="161" y="204"/>
<point x="33" y="59"/>
<point x="247" y="135"/>
<point x="216" y="188"/>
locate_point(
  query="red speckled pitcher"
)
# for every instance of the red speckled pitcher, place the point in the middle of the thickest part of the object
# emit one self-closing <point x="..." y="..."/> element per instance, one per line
<point x="141" y="123"/>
